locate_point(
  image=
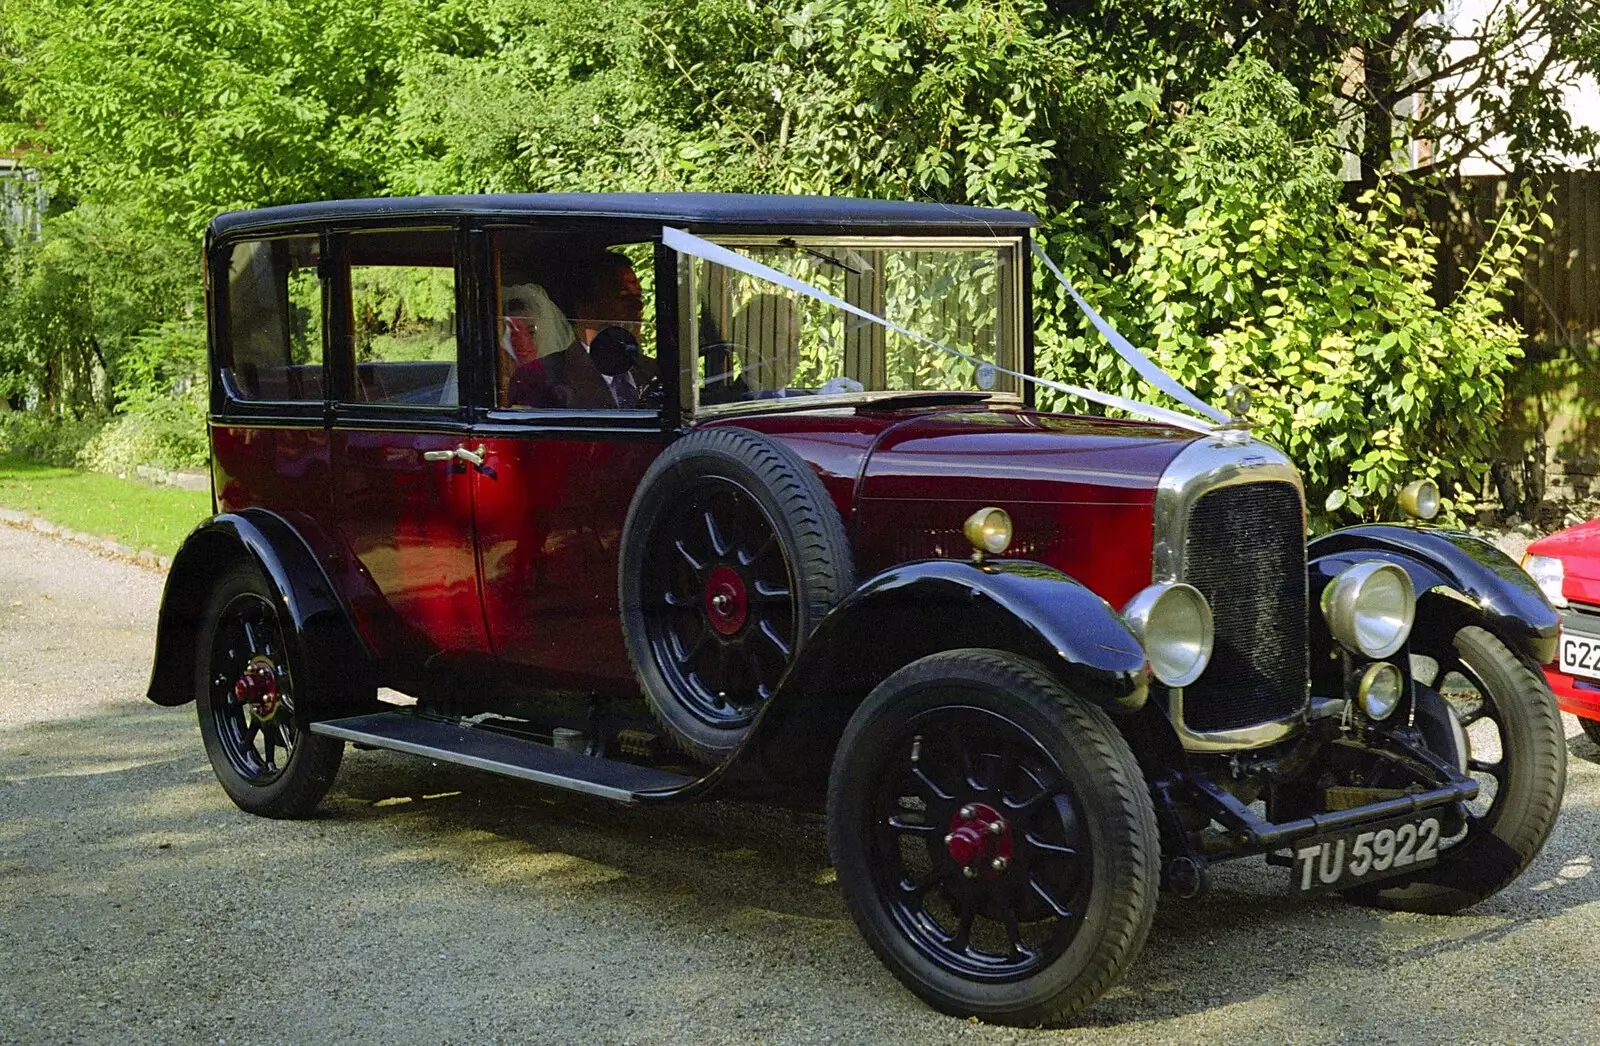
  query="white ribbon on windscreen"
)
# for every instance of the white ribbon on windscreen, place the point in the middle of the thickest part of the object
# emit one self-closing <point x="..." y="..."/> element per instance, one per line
<point x="1148" y="369"/>
<point x="687" y="243"/>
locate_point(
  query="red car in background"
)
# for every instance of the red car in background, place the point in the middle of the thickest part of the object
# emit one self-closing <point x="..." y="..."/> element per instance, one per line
<point x="1567" y="567"/>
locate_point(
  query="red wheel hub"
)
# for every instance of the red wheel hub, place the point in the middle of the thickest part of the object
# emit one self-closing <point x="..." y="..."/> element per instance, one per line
<point x="979" y="840"/>
<point x="727" y="605"/>
<point x="258" y="686"/>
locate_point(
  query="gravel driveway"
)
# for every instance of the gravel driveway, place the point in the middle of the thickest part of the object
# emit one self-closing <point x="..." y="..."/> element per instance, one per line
<point x="430" y="904"/>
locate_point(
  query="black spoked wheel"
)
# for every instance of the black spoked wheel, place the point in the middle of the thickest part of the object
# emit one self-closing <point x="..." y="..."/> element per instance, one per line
<point x="252" y="699"/>
<point x="980" y="849"/>
<point x="266" y="760"/>
<point x="731" y="555"/>
<point x="993" y="837"/>
<point x="1516" y="750"/>
<point x="723" y="622"/>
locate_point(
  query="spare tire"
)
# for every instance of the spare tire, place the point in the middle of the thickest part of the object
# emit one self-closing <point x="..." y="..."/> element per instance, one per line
<point x="731" y="554"/>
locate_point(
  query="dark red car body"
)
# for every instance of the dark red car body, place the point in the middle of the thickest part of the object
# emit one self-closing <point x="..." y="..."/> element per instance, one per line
<point x="1082" y="492"/>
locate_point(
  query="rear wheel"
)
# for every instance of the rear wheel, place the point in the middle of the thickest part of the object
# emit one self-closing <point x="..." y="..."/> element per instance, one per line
<point x="258" y="744"/>
<point x="1591" y="729"/>
<point x="993" y="837"/>
<point x="1516" y="749"/>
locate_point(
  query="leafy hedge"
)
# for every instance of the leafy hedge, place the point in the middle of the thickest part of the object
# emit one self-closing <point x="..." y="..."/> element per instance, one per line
<point x="1248" y="266"/>
<point x="45" y="437"/>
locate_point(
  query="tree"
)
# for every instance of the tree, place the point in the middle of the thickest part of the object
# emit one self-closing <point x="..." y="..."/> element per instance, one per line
<point x="1461" y="83"/>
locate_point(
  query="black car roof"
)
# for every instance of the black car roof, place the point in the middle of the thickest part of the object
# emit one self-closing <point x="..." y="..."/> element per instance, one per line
<point x="691" y="209"/>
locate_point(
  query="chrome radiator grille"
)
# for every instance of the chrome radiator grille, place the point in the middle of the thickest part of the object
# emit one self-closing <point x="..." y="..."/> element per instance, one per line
<point x="1244" y="549"/>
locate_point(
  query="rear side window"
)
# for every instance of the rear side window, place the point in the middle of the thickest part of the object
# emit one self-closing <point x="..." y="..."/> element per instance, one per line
<point x="274" y="343"/>
<point x="403" y="318"/>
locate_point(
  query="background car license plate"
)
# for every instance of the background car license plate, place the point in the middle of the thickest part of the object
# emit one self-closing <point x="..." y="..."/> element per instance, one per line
<point x="1580" y="655"/>
<point x="1339" y="860"/>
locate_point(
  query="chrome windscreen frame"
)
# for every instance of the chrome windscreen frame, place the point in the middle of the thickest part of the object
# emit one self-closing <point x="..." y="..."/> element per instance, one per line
<point x="1204" y="466"/>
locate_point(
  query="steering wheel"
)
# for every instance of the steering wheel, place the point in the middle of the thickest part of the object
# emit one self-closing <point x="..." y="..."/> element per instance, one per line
<point x="654" y="393"/>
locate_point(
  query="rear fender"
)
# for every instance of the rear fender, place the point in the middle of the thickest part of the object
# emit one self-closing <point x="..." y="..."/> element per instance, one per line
<point x="1459" y="580"/>
<point x="922" y="608"/>
<point x="333" y="669"/>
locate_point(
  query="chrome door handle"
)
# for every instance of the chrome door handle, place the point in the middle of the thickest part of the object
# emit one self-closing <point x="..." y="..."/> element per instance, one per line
<point x="474" y="458"/>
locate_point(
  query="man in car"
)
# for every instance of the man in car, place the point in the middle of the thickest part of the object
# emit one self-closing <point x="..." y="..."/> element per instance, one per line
<point x="605" y="294"/>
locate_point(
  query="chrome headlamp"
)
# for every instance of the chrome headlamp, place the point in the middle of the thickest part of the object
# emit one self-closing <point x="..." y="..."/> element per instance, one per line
<point x="1173" y="623"/>
<point x="989" y="530"/>
<point x="1549" y="573"/>
<point x="1420" y="499"/>
<point x="1380" y="690"/>
<point x="1370" y="608"/>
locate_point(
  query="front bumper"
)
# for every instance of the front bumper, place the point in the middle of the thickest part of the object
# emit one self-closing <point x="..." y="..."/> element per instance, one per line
<point x="1581" y="697"/>
<point x="1434" y="783"/>
<point x="1255" y="834"/>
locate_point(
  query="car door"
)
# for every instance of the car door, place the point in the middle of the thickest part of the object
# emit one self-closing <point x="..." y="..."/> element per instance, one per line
<point x="403" y="453"/>
<point x="270" y="447"/>
<point x="560" y="472"/>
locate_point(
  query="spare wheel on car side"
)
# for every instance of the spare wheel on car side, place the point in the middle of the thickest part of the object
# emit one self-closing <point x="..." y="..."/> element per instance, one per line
<point x="731" y="554"/>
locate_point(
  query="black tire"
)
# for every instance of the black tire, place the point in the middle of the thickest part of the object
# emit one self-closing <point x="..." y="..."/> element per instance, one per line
<point x="965" y="738"/>
<point x="1591" y="729"/>
<point x="731" y="554"/>
<point x="1508" y="824"/>
<point x="241" y="652"/>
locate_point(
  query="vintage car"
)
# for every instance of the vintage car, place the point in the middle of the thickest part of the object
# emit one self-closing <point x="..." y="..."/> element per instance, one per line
<point x="1567" y="567"/>
<point x="664" y="497"/>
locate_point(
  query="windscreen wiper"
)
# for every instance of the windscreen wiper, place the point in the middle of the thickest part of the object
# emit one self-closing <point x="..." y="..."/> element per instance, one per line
<point x="830" y="259"/>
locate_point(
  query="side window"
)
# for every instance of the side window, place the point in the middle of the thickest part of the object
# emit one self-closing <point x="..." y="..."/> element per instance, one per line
<point x="403" y="318"/>
<point x="575" y="322"/>
<point x="274" y="341"/>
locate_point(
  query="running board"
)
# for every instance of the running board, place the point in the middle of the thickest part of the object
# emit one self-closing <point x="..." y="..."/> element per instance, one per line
<point x="503" y="754"/>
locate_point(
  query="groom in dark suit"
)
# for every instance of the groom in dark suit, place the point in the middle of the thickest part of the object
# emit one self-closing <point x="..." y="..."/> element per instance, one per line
<point x="605" y="294"/>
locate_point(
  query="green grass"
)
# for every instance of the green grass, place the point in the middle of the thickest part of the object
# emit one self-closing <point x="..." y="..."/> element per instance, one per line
<point x="136" y="515"/>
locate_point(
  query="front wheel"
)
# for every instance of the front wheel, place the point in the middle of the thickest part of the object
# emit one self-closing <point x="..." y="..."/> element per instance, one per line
<point x="1515" y="748"/>
<point x="262" y="753"/>
<point x="993" y="837"/>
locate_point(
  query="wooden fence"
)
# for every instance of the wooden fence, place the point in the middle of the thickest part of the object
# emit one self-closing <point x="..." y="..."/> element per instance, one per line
<point x="1551" y="435"/>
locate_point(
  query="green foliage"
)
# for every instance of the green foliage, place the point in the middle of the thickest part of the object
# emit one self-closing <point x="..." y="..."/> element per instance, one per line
<point x="1182" y="158"/>
<point x="80" y="308"/>
<point x="147" y="118"/>
<point x="168" y="432"/>
<point x="1248" y="267"/>
<point x="188" y="107"/>
<point x="44" y="438"/>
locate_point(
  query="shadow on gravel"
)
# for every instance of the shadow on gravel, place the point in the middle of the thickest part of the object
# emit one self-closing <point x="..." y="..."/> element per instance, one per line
<point x="1579" y="746"/>
<point x="724" y="854"/>
<point x="718" y="869"/>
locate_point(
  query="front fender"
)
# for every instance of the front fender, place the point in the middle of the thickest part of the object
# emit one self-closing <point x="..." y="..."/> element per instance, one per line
<point x="332" y="667"/>
<point x="922" y="608"/>
<point x="1455" y="575"/>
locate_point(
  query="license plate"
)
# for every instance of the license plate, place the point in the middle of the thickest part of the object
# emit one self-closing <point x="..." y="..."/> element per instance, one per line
<point x="1339" y="860"/>
<point x="1580" y="655"/>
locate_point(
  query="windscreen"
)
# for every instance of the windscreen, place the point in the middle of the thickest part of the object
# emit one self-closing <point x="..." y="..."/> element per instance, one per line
<point x="755" y="338"/>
